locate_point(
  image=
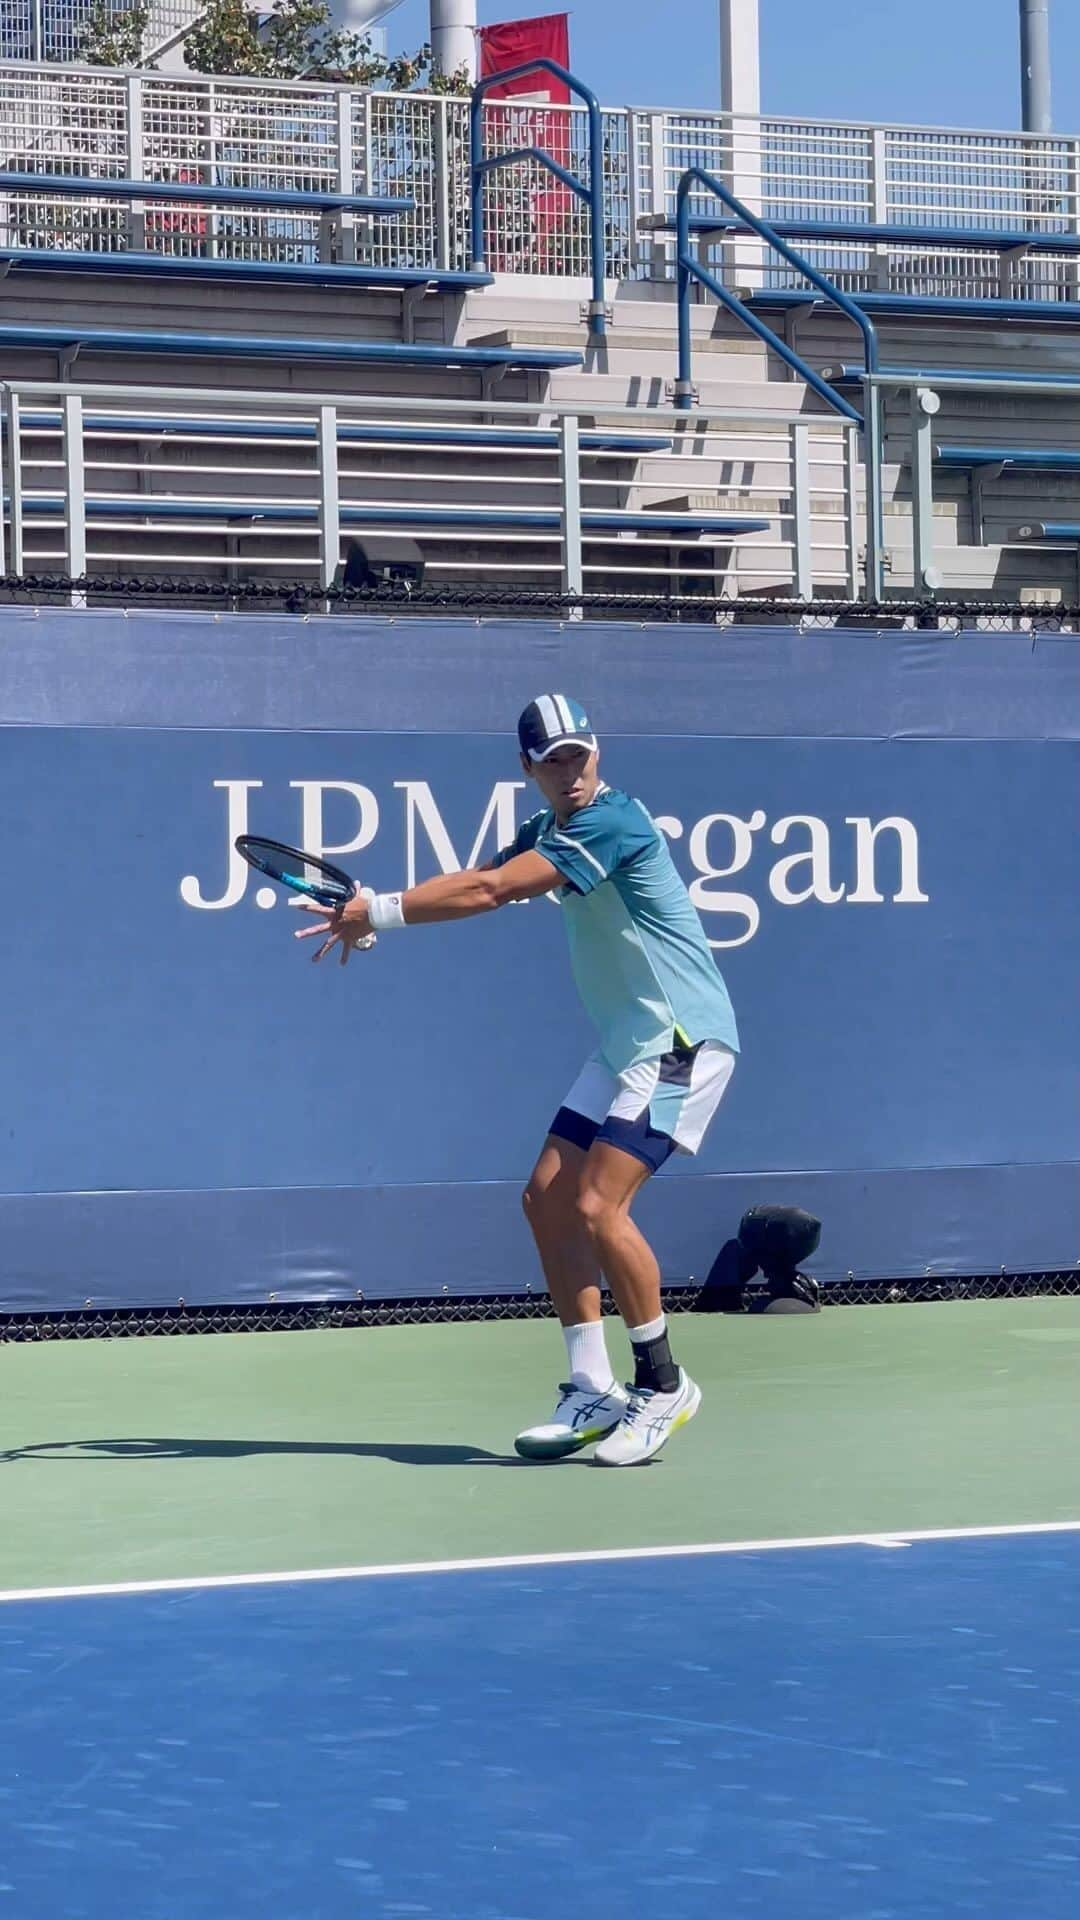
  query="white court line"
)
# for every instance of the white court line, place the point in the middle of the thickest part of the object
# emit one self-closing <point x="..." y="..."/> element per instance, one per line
<point x="894" y="1537"/>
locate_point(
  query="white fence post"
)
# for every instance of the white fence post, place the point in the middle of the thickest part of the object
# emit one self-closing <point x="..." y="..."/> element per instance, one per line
<point x="74" y="490"/>
<point x="879" y="202"/>
<point x="1072" y="267"/>
<point x="925" y="405"/>
<point x="337" y="227"/>
<point x="573" y="574"/>
<point x="800" y="496"/>
<point x="440" y="159"/>
<point x="13" y="471"/>
<point x="851" y="525"/>
<point x="329" y="497"/>
<point x="136" y="161"/>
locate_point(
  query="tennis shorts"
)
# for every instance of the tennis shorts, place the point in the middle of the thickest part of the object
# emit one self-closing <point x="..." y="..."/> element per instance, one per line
<point x="653" y="1109"/>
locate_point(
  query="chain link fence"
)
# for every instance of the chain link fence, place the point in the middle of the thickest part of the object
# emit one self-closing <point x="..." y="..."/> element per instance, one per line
<point x="478" y="602"/>
<point x="444" y="1309"/>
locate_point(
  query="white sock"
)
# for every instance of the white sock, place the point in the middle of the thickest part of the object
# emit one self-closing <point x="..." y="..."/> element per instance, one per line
<point x="651" y="1331"/>
<point x="586" y="1350"/>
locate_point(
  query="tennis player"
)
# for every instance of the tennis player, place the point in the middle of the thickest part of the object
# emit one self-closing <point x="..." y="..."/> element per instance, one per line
<point x="668" y="1041"/>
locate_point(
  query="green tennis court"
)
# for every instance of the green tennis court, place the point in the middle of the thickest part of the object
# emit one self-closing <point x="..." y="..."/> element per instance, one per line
<point x="164" y="1459"/>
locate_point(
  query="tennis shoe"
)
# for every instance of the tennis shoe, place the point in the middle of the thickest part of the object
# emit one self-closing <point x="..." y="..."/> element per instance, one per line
<point x="581" y="1416"/>
<point x="650" y="1419"/>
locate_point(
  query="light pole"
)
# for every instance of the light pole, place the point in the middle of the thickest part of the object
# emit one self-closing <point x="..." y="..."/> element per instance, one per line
<point x="1035" y="65"/>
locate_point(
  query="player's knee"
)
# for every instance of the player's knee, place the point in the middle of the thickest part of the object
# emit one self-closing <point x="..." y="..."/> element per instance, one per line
<point x="537" y="1202"/>
<point x="593" y="1211"/>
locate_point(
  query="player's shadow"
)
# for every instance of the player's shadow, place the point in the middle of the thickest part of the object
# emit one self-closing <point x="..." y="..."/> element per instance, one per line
<point x="403" y="1452"/>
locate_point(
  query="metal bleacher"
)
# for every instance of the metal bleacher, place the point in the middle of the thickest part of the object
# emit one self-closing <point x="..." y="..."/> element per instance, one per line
<point x="501" y="343"/>
<point x="135" y="342"/>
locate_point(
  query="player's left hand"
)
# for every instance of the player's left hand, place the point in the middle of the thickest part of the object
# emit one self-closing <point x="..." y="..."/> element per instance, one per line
<point x="347" y="927"/>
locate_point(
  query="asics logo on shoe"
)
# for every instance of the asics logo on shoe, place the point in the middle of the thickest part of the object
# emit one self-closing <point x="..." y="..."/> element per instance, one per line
<point x="588" y="1409"/>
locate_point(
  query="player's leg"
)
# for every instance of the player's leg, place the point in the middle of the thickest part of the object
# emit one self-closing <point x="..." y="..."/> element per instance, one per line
<point x="590" y="1402"/>
<point x="662" y="1107"/>
<point x="570" y="1266"/>
<point x="610" y="1180"/>
<point x="663" y="1397"/>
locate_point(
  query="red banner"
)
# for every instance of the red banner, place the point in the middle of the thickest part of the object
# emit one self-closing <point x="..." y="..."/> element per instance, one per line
<point x="510" y="43"/>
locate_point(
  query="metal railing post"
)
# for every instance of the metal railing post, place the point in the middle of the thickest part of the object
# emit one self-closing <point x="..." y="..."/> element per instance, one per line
<point x="851" y="524"/>
<point x="74" y="490"/>
<point x="136" y="161"/>
<point x="879" y="202"/>
<point x="213" y="222"/>
<point x="337" y="230"/>
<point x="872" y="475"/>
<point x="597" y="221"/>
<point x="13" y="475"/>
<point x="1072" y="267"/>
<point x="645" y="146"/>
<point x="800" y="495"/>
<point x="441" y="163"/>
<point x="925" y="405"/>
<point x="329" y="497"/>
<point x="573" y="575"/>
<point x="684" y="377"/>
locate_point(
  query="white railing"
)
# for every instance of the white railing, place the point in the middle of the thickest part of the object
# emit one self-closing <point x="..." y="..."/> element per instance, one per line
<point x="985" y="495"/>
<point x="263" y="486"/>
<point x="54" y="29"/>
<point x="255" y="133"/>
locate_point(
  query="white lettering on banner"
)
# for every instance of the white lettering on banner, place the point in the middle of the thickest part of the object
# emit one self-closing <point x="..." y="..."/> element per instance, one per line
<point x="420" y="805"/>
<point x="865" y="890"/>
<point x="817" y="855"/>
<point x="237" y="823"/>
<point x="311" y="826"/>
<point x="717" y="847"/>
<point x="714" y="899"/>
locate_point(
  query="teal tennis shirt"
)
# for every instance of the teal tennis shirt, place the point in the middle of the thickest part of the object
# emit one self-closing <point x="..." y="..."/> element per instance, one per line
<point x="642" y="964"/>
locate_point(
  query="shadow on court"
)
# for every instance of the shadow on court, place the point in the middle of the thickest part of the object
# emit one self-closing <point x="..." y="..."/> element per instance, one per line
<point x="404" y="1453"/>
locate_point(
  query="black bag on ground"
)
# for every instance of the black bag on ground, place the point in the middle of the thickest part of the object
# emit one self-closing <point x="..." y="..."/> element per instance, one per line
<point x="772" y="1240"/>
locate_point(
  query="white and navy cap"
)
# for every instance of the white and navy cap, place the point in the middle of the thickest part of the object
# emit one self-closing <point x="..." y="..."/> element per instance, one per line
<point x="553" y="720"/>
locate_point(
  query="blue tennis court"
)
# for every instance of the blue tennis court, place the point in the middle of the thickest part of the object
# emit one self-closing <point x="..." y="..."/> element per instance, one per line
<point x="861" y="1731"/>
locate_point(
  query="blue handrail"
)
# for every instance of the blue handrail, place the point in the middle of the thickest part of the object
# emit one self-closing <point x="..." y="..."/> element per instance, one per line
<point x="593" y="193"/>
<point x="689" y="269"/>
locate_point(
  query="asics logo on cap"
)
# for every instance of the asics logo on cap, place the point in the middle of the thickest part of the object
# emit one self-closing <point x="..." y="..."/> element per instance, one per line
<point x="554" y="720"/>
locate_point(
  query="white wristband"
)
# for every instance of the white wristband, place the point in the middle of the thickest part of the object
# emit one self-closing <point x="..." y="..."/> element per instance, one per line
<point x="384" y="909"/>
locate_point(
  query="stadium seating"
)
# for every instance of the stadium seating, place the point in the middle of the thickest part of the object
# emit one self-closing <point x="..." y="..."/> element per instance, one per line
<point x="322" y="324"/>
<point x="986" y="239"/>
<point x="479" y="439"/>
<point x="162" y="507"/>
<point x="134" y="341"/>
<point x="248" y="272"/>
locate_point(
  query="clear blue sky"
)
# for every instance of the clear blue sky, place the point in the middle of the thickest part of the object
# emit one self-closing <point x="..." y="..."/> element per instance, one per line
<point x="930" y="62"/>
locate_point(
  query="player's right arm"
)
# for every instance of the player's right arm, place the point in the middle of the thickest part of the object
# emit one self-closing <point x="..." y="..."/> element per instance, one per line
<point x="449" y="896"/>
<point x="518" y="872"/>
<point x="455" y="896"/>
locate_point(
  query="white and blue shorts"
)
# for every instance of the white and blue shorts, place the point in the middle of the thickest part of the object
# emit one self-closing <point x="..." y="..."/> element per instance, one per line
<point x="651" y="1110"/>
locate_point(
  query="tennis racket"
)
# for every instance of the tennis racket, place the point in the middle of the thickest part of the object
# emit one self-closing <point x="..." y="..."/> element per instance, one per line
<point x="300" y="871"/>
